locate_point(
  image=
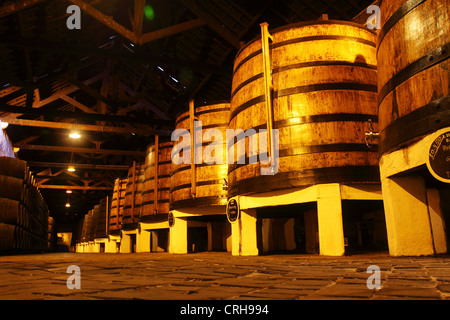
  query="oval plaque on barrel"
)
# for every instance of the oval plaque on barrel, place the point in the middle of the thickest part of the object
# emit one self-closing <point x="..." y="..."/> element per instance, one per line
<point x="171" y="219"/>
<point x="232" y="210"/>
<point x="438" y="160"/>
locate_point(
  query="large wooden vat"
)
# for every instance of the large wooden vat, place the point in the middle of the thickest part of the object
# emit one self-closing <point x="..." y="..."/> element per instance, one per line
<point x="88" y="222"/>
<point x="413" y="70"/>
<point x="324" y="78"/>
<point x="101" y="223"/>
<point x="133" y="196"/>
<point x="117" y="204"/>
<point x="162" y="173"/>
<point x="209" y="178"/>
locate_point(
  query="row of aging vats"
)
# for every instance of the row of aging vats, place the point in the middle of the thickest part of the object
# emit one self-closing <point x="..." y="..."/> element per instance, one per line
<point x="25" y="224"/>
<point x="362" y="150"/>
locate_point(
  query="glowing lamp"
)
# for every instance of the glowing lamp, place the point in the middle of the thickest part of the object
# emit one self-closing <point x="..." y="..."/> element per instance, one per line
<point x="74" y="135"/>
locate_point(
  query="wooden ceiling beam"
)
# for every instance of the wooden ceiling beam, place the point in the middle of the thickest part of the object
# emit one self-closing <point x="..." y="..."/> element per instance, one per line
<point x="106" y="20"/>
<point x="77" y="104"/>
<point x="83" y="51"/>
<point x="15" y="6"/>
<point x="82" y="150"/>
<point x="138" y="19"/>
<point x="169" y="31"/>
<point x="87" y="127"/>
<point x="83" y="116"/>
<point x="213" y="23"/>
<point x="85" y="166"/>
<point x="67" y="187"/>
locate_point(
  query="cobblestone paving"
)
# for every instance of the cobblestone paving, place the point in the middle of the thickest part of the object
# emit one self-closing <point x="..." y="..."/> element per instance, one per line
<point x="205" y="276"/>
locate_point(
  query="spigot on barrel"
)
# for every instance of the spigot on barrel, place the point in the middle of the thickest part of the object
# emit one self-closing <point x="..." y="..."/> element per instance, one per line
<point x="370" y="135"/>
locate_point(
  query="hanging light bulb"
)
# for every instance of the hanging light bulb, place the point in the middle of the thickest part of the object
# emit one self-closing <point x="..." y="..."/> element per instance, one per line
<point x="67" y="205"/>
<point x="74" y="135"/>
<point x="68" y="191"/>
<point x="3" y="125"/>
<point x="71" y="168"/>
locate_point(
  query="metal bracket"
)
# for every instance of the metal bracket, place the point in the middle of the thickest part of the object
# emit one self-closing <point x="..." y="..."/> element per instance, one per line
<point x="370" y="135"/>
<point x="225" y="185"/>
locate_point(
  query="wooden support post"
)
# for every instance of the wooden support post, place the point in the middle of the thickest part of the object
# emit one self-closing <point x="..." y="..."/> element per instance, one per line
<point x="133" y="191"/>
<point x="155" y="192"/>
<point x="107" y="215"/>
<point x="192" y="131"/>
<point x="329" y="216"/>
<point x="268" y="85"/>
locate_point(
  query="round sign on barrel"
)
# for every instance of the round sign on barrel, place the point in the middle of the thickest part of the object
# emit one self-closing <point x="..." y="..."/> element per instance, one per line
<point x="232" y="210"/>
<point x="171" y="219"/>
<point x="438" y="160"/>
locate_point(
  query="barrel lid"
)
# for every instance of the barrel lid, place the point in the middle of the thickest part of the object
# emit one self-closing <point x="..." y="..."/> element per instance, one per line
<point x="305" y="24"/>
<point x="162" y="144"/>
<point x="199" y="104"/>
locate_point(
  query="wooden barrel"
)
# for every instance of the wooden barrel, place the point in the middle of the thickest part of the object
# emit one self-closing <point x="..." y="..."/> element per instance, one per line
<point x="101" y="225"/>
<point x="133" y="197"/>
<point x="89" y="221"/>
<point x="324" y="79"/>
<point x="12" y="212"/>
<point x="117" y="203"/>
<point x="13" y="188"/>
<point x="8" y="237"/>
<point x="209" y="178"/>
<point x="413" y="70"/>
<point x="14" y="168"/>
<point x="163" y="181"/>
<point x="83" y="237"/>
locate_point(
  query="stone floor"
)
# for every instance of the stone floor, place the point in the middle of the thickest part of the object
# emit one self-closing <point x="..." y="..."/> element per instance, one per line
<point x="205" y="276"/>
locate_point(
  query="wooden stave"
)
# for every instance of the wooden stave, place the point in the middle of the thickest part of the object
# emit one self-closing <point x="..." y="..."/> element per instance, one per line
<point x="117" y="204"/>
<point x="164" y="168"/>
<point x="254" y="102"/>
<point x="14" y="168"/>
<point x="129" y="217"/>
<point x="210" y="189"/>
<point x="414" y="82"/>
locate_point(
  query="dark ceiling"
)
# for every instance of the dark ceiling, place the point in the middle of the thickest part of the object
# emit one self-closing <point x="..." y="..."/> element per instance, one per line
<point x="133" y="66"/>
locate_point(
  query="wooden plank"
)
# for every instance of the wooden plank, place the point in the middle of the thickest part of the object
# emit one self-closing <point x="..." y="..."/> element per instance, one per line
<point x="115" y="55"/>
<point x="12" y="7"/>
<point x="193" y="149"/>
<point x="81" y="150"/>
<point x="169" y="31"/>
<point x="213" y="23"/>
<point x="87" y="166"/>
<point x="87" y="127"/>
<point x="106" y="20"/>
<point x="155" y="191"/>
<point x="67" y="187"/>
<point x="82" y="116"/>
<point x="77" y="104"/>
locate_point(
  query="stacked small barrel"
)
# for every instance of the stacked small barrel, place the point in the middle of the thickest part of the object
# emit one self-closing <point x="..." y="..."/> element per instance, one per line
<point x="24" y="215"/>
